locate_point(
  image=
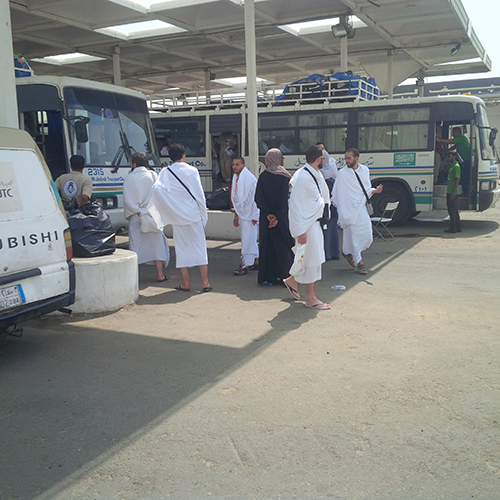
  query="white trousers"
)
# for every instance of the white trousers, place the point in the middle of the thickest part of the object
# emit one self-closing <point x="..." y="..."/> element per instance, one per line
<point x="249" y="246"/>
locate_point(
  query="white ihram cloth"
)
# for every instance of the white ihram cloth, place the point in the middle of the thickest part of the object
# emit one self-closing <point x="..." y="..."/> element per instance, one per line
<point x="172" y="204"/>
<point x="306" y="207"/>
<point x="329" y="170"/>
<point x="243" y="198"/>
<point x="136" y="194"/>
<point x="350" y="201"/>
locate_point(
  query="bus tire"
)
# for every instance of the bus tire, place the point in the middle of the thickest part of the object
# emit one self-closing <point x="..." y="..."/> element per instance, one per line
<point x="393" y="192"/>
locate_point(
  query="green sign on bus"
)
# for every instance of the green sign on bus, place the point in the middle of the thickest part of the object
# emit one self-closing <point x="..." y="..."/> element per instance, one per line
<point x="405" y="159"/>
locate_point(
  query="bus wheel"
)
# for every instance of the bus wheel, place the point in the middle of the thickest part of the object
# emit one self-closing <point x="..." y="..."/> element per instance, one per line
<point x="393" y="192"/>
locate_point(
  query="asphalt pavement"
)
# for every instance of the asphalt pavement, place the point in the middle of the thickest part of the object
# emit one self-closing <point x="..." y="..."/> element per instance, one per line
<point x="244" y="393"/>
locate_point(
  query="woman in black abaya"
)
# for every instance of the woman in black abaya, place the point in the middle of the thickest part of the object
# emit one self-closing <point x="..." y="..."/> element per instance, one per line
<point x="275" y="241"/>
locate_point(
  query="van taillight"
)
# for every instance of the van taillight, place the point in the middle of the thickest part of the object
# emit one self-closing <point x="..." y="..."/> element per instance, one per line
<point x="69" y="245"/>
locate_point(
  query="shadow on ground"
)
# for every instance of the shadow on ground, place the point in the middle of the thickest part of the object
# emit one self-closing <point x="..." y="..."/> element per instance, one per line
<point x="72" y="393"/>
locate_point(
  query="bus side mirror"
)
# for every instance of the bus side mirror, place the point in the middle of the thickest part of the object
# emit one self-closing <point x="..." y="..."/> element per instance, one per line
<point x="493" y="136"/>
<point x="81" y="131"/>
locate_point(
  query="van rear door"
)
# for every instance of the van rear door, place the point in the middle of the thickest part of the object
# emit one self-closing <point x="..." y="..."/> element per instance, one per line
<point x="36" y="274"/>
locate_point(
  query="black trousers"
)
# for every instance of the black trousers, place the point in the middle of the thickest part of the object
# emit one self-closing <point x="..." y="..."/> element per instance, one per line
<point x="452" y="206"/>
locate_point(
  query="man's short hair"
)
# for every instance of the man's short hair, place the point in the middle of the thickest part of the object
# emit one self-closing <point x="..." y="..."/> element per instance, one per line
<point x="140" y="160"/>
<point x="77" y="162"/>
<point x="176" y="151"/>
<point x="240" y="158"/>
<point x="354" y="151"/>
<point x="313" y="153"/>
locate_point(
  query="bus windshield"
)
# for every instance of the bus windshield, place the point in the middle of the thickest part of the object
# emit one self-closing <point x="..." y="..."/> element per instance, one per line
<point x="114" y="123"/>
<point x="484" y="133"/>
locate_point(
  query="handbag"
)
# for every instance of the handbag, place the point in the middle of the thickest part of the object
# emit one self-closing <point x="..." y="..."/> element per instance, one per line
<point x="369" y="206"/>
<point x="298" y="266"/>
<point x="323" y="220"/>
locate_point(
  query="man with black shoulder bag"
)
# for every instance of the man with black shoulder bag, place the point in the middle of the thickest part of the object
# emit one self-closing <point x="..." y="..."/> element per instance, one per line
<point x="351" y="195"/>
<point x="308" y="211"/>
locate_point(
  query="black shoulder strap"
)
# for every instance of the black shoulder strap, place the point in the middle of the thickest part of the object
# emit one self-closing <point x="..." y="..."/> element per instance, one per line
<point x="362" y="187"/>
<point x="187" y="189"/>
<point x="315" y="180"/>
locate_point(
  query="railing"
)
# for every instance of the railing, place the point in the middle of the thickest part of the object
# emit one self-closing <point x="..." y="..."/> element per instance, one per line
<point x="302" y="93"/>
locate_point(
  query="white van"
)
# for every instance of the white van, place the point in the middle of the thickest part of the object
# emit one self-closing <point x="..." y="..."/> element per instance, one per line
<point x="37" y="275"/>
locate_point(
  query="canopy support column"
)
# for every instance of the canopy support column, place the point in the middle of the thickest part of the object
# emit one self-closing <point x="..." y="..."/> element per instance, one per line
<point x="8" y="96"/>
<point x="117" y="74"/>
<point x="390" y="74"/>
<point x="343" y="54"/>
<point x="251" y="95"/>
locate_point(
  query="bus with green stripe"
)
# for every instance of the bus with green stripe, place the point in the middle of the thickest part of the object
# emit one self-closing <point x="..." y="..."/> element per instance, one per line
<point x="104" y="123"/>
<point x="396" y="139"/>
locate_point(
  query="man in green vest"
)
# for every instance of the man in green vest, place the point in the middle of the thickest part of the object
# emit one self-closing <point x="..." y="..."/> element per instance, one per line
<point x="462" y="146"/>
<point x="452" y="192"/>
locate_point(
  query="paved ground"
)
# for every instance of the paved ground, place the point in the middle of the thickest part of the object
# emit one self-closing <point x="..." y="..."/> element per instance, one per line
<point x="243" y="393"/>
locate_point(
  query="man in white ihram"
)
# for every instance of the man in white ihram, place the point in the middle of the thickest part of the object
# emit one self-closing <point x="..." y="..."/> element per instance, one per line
<point x="350" y="200"/>
<point x="178" y="199"/>
<point x="246" y="215"/>
<point x="150" y="244"/>
<point x="307" y="201"/>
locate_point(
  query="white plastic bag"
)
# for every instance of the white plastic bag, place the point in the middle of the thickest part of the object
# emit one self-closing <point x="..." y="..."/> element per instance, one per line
<point x="148" y="225"/>
<point x="298" y="266"/>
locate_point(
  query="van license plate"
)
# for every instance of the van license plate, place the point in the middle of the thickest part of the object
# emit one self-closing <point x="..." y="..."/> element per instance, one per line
<point x="11" y="296"/>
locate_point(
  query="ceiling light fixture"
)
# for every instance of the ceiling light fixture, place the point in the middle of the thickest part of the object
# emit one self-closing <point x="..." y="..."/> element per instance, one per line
<point x="344" y="28"/>
<point x="455" y="50"/>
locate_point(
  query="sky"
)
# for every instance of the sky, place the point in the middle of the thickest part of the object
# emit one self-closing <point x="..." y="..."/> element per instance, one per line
<point x="485" y="17"/>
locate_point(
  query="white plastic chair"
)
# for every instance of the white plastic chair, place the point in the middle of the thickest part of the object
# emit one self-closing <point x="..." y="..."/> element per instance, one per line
<point x="380" y="223"/>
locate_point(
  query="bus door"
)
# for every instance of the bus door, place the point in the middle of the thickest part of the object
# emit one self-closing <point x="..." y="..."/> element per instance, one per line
<point x="468" y="163"/>
<point x="40" y="114"/>
<point x="226" y="141"/>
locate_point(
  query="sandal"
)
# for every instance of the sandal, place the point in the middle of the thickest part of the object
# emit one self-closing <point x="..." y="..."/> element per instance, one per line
<point x="362" y="268"/>
<point x="241" y="271"/>
<point x="321" y="306"/>
<point x="349" y="259"/>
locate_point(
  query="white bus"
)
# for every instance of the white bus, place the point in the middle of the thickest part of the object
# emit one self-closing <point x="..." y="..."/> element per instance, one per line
<point x="396" y="139"/>
<point x="104" y="123"/>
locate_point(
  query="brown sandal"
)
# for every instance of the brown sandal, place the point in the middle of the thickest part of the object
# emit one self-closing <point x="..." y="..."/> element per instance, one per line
<point x="362" y="268"/>
<point x="349" y="259"/>
<point x="241" y="271"/>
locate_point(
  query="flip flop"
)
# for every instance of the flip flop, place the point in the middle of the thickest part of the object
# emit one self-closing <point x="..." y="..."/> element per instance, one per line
<point x="321" y="306"/>
<point x="207" y="289"/>
<point x="179" y="287"/>
<point x="164" y="279"/>
<point x="292" y="291"/>
<point x="349" y="259"/>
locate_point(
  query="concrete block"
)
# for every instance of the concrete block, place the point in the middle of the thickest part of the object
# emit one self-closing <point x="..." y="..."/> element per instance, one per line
<point x="106" y="283"/>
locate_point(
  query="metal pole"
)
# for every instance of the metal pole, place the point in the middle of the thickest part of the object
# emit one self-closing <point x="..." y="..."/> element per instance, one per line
<point x="251" y="96"/>
<point x="207" y="85"/>
<point x="390" y="74"/>
<point x="343" y="54"/>
<point x="420" y="84"/>
<point x="117" y="74"/>
<point x="8" y="98"/>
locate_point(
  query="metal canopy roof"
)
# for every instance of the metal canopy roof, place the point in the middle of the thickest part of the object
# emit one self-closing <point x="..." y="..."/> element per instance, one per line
<point x="421" y="34"/>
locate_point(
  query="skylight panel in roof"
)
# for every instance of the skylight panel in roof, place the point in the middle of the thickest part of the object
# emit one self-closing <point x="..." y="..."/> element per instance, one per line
<point x="155" y="5"/>
<point x="239" y="81"/>
<point x="142" y="29"/>
<point x="318" y="26"/>
<point x="62" y="59"/>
